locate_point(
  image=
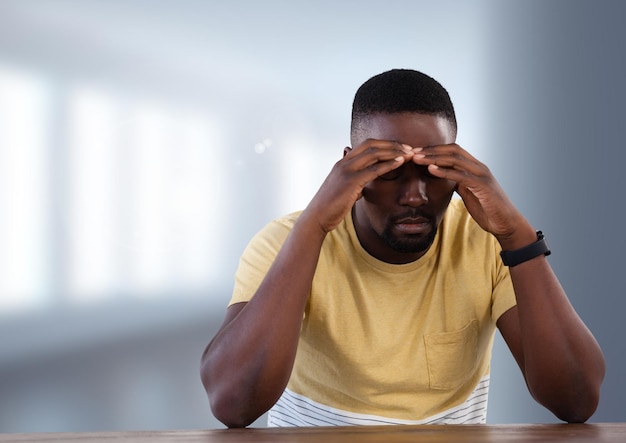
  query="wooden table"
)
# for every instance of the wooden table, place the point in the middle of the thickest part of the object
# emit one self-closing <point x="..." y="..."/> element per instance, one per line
<point x="597" y="433"/>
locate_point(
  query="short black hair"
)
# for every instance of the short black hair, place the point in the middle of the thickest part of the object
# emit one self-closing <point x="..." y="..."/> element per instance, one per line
<point x="402" y="90"/>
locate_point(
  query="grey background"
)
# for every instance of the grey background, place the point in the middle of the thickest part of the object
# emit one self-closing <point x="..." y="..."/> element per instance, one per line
<point x="557" y="100"/>
<point x="538" y="86"/>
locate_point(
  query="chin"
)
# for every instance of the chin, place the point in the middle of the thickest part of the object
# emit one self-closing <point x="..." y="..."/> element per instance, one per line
<point x="409" y="245"/>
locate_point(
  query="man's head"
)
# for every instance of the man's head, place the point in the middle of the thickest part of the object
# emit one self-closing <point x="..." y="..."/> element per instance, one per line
<point x="400" y="90"/>
<point x="398" y="215"/>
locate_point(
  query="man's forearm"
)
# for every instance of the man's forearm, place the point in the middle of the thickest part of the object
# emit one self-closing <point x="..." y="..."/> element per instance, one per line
<point x="248" y="364"/>
<point x="562" y="362"/>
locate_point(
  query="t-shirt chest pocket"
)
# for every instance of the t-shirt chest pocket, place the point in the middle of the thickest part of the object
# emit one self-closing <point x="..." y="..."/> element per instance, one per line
<point x="451" y="357"/>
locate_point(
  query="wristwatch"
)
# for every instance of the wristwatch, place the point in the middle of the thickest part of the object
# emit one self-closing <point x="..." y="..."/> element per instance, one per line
<point x="513" y="258"/>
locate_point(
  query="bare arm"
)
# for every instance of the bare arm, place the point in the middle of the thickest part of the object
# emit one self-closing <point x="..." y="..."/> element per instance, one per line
<point x="247" y="365"/>
<point x="561" y="361"/>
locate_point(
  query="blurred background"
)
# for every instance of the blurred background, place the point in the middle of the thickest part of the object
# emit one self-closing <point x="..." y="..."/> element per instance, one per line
<point x="143" y="142"/>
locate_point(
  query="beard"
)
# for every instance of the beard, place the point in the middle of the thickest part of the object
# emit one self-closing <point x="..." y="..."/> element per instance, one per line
<point x="411" y="243"/>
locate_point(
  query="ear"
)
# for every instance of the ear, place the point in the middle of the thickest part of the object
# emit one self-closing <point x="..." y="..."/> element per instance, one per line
<point x="346" y="150"/>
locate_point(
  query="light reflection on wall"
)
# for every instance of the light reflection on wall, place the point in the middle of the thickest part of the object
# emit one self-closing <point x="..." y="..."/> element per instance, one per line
<point x="141" y="182"/>
<point x="93" y="157"/>
<point x="24" y="269"/>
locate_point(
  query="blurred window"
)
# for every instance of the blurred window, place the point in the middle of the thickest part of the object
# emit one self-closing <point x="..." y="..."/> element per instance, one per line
<point x="24" y="180"/>
<point x="103" y="195"/>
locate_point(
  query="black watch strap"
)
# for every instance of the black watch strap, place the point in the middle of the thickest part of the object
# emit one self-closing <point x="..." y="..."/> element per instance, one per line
<point x="540" y="247"/>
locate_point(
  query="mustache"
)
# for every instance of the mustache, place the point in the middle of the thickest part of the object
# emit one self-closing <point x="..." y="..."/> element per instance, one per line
<point x="414" y="213"/>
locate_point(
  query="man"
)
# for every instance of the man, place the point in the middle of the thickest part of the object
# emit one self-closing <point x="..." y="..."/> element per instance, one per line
<point x="378" y="302"/>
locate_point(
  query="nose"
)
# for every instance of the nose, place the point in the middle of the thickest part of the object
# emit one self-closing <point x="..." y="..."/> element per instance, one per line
<point x="413" y="190"/>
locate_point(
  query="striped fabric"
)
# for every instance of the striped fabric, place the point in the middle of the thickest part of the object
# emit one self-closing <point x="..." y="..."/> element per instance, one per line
<point x="296" y="410"/>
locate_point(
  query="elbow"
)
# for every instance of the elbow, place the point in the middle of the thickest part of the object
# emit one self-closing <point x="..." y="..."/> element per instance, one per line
<point x="230" y="416"/>
<point x="573" y="405"/>
<point x="584" y="398"/>
<point x="228" y="409"/>
<point x="226" y="405"/>
<point x="572" y="397"/>
<point x="580" y="409"/>
<point x="576" y="415"/>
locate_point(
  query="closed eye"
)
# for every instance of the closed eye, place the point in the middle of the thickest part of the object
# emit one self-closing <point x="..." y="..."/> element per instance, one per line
<point x="398" y="172"/>
<point x="391" y="175"/>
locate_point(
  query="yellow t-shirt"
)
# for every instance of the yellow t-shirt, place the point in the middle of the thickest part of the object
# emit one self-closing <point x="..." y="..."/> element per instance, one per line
<point x="385" y="343"/>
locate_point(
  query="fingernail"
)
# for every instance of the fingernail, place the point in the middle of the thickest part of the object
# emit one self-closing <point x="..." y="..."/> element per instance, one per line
<point x="417" y="149"/>
<point x="407" y="148"/>
<point x="399" y="158"/>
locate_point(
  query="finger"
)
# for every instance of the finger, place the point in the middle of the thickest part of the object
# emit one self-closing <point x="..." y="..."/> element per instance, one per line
<point x="447" y="149"/>
<point x="444" y="155"/>
<point x="450" y="157"/>
<point x="368" y="155"/>
<point x="454" y="175"/>
<point x="381" y="168"/>
<point x="372" y="146"/>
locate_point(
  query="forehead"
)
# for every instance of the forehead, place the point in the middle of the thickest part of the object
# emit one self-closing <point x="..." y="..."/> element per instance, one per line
<point x="405" y="127"/>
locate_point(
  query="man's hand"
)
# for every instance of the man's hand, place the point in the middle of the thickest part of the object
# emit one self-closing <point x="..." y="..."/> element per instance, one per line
<point x="344" y="185"/>
<point x="484" y="198"/>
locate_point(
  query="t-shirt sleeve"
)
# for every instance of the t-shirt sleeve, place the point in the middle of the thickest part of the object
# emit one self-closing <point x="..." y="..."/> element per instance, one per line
<point x="503" y="293"/>
<point x="258" y="256"/>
